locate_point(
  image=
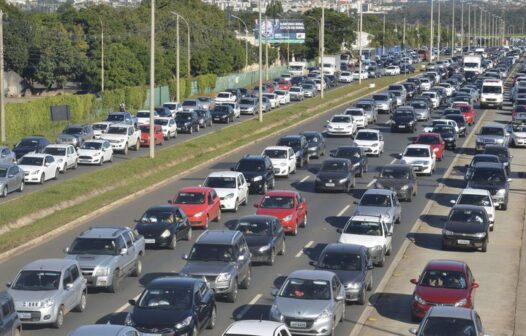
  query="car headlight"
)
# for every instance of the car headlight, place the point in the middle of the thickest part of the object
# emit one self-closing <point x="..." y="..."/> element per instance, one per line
<point x="353" y="285"/>
<point x="229" y="196"/>
<point x="60" y="160"/>
<point x="313" y="148"/>
<point x="184" y="323"/>
<point x="287" y="218"/>
<point x="325" y="314"/>
<point x="447" y="232"/>
<point x="329" y="126"/>
<point x="223" y="277"/>
<point x="35" y="172"/>
<point x="418" y="299"/>
<point x="166" y="234"/>
<point x="101" y="271"/>
<point x="376" y="248"/>
<point x="405" y="187"/>
<point x="96" y="154"/>
<point x="386" y="216"/>
<point x="128" y="320"/>
<point x="276" y="314"/>
<point x="499" y="140"/>
<point x="478" y="140"/>
<point x="374" y="144"/>
<point x="122" y="140"/>
<point x="257" y="178"/>
<point x="479" y="235"/>
<point x="435" y="149"/>
<point x="46" y="303"/>
<point x="461" y="303"/>
<point x="343" y="180"/>
<point x="265" y="248"/>
<point x="199" y="214"/>
<point x="501" y="192"/>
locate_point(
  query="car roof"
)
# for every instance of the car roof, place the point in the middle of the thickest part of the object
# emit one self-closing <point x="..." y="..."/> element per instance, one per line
<point x="436" y="135"/>
<point x="36" y="155"/>
<point x="446" y="265"/>
<point x="418" y="146"/>
<point x="344" y="248"/>
<point x="253" y="327"/>
<point x="224" y="174"/>
<point x="378" y="192"/>
<point x="170" y="281"/>
<point x="35" y="137"/>
<point x="281" y="193"/>
<point x="96" y="140"/>
<point x="473" y="191"/>
<point x="312" y="275"/>
<point x="52" y="264"/>
<point x="253" y="157"/>
<point x="488" y="165"/>
<point x="493" y="124"/>
<point x="258" y="217"/>
<point x="58" y="145"/>
<point x="102" y="232"/>
<point x="276" y="148"/>
<point x="397" y="165"/>
<point x="466" y="207"/>
<point x="196" y="189"/>
<point x="100" y="330"/>
<point x="220" y="237"/>
<point x="120" y="125"/>
<point x="368" y="130"/>
<point x="451" y="312"/>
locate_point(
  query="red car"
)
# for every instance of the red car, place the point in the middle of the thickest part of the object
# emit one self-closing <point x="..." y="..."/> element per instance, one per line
<point x="288" y="206"/>
<point x="200" y="204"/>
<point x="434" y="140"/>
<point x="284" y="85"/>
<point x="157" y="135"/>
<point x="443" y="283"/>
<point x="468" y="111"/>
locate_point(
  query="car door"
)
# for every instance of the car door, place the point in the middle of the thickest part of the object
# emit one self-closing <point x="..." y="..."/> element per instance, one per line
<point x="216" y="205"/>
<point x="387" y="236"/>
<point x="397" y="206"/>
<point x="301" y="208"/>
<point x="337" y="290"/>
<point x="204" y="304"/>
<point x="78" y="284"/>
<point x="67" y="295"/>
<point x="243" y="265"/>
<point x="269" y="169"/>
<point x="243" y="187"/>
<point x="72" y="156"/>
<point x="291" y="159"/>
<point x="182" y="224"/>
<point x="49" y="166"/>
<point x="278" y="235"/>
<point x="107" y="151"/>
<point x="126" y="259"/>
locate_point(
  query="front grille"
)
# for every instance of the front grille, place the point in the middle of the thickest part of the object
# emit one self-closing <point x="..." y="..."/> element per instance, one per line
<point x="276" y="170"/>
<point x="83" y="157"/>
<point x="87" y="271"/>
<point x="210" y="278"/>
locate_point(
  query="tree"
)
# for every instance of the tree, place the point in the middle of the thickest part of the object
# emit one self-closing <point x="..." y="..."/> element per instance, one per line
<point x="274" y="9"/>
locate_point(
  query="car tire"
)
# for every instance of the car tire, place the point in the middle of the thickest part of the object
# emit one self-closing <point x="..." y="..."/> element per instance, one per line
<point x="265" y="188"/>
<point x="236" y="206"/>
<point x="301" y="163"/>
<point x="273" y="184"/>
<point x="197" y="129"/>
<point x="138" y="145"/>
<point x="138" y="268"/>
<point x="173" y="243"/>
<point x="283" y="249"/>
<point x="76" y="165"/>
<point x="42" y="178"/>
<point x="232" y="296"/>
<point x="484" y="247"/>
<point x="82" y="303"/>
<point x="381" y="263"/>
<point x="22" y="185"/>
<point x="207" y="223"/>
<point x="246" y="281"/>
<point x="361" y="297"/>
<point x="370" y="284"/>
<point x="295" y="232"/>
<point x="304" y="223"/>
<point x="17" y="332"/>
<point x="271" y="258"/>
<point x="504" y="206"/>
<point x="60" y="318"/>
<point x="218" y="217"/>
<point x="213" y="319"/>
<point x="4" y="192"/>
<point x="409" y="196"/>
<point x="125" y="151"/>
<point x="245" y="202"/>
<point x="57" y="173"/>
<point x="194" y="330"/>
<point x="101" y="161"/>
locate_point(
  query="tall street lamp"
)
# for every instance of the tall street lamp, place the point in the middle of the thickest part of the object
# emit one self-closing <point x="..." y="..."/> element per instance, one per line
<point x="322" y="24"/>
<point x="431" y="35"/>
<point x="453" y="28"/>
<point x="177" y="74"/>
<point x="246" y="40"/>
<point x="438" y="31"/>
<point x="260" y="97"/>
<point x="360" y="45"/>
<point x="152" y="78"/>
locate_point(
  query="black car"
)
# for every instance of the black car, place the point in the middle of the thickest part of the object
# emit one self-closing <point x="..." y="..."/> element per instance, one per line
<point x="205" y="118"/>
<point x="264" y="235"/>
<point x="400" y="178"/>
<point x="299" y="144"/>
<point x="187" y="122"/>
<point x="461" y="123"/>
<point x="29" y="144"/>
<point x="317" y="146"/>
<point x="491" y="177"/>
<point x="163" y="111"/>
<point x="403" y="120"/>
<point x="503" y="153"/>
<point x="467" y="226"/>
<point x="163" y="225"/>
<point x="258" y="172"/>
<point x="223" y="114"/>
<point x="410" y="88"/>
<point x="332" y="80"/>
<point x="480" y="158"/>
<point x="357" y="156"/>
<point x="173" y="305"/>
<point x="448" y="134"/>
<point x="335" y="174"/>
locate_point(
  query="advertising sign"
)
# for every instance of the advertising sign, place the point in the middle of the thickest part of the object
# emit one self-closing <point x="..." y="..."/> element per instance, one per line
<point x="281" y="31"/>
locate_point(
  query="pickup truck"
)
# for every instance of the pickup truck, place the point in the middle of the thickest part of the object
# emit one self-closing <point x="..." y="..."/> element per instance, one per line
<point x="122" y="118"/>
<point x="225" y="97"/>
<point x="107" y="254"/>
<point x="122" y="137"/>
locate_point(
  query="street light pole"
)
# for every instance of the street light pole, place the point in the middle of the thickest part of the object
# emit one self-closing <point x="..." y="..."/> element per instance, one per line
<point x="152" y="78"/>
<point x="462" y="28"/>
<point x="438" y="28"/>
<point x="188" y="44"/>
<point x="383" y="38"/>
<point x="322" y="23"/>
<point x="2" y="108"/>
<point x="246" y="40"/>
<point x="360" y="45"/>
<point x="480" y="29"/>
<point x="260" y="87"/>
<point x="431" y="35"/>
<point x="403" y="37"/>
<point x="469" y="27"/>
<point x="453" y="29"/>
<point x="177" y="56"/>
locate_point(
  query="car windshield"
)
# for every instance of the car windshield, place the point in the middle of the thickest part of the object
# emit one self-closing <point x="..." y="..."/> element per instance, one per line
<point x="203" y="99"/>
<point x="334" y="166"/>
<point x="341" y="119"/>
<point x="143" y="114"/>
<point x="419" y="105"/>
<point x="295" y="89"/>
<point x="376" y="200"/>
<point x="162" y="122"/>
<point x="254" y="228"/>
<point x="277" y="202"/>
<point x="445" y="130"/>
<point x="459" y="119"/>
<point x="450" y="111"/>
<point x="491" y="89"/>
<point x="380" y="97"/>
<point x="428" y="140"/>
<point x="170" y="106"/>
<point x="352" y="153"/>
<point x="435" y="326"/>
<point x="211" y="252"/>
<point x="276" y="153"/>
<point x="395" y="173"/>
<point x="31" y="161"/>
<point x="443" y="279"/>
<point x="118" y="130"/>
<point x="166" y="298"/>
<point x="223" y="95"/>
<point x="305" y="289"/>
<point x="417" y="152"/>
<point x="364" y="228"/>
<point x="369" y="136"/>
<point x="250" y="165"/>
<point x="220" y="109"/>
<point x="466" y="216"/>
<point x="3" y="172"/>
<point x="497" y="131"/>
<point x="102" y="246"/>
<point x="158" y="216"/>
<point x="145" y="129"/>
<point x="220" y="182"/>
<point x="403" y="113"/>
<point x="488" y="175"/>
<point x="311" y="138"/>
<point x="100" y="127"/>
<point x="190" y="198"/>
<point x="354" y="112"/>
<point x="115" y="117"/>
<point x="184" y="116"/>
<point x="478" y="200"/>
<point x="72" y="130"/>
<point x="91" y="145"/>
<point x="55" y="151"/>
<point x="293" y="143"/>
<point x="37" y="281"/>
<point x="189" y="103"/>
<point x="338" y="261"/>
<point x="247" y="102"/>
<point x="28" y="143"/>
<point x="364" y="106"/>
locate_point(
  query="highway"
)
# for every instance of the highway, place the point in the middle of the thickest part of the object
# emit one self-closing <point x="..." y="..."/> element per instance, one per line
<point x="327" y="212"/>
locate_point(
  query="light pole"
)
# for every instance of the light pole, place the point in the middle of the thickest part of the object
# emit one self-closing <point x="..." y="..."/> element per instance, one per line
<point x="188" y="39"/>
<point x="469" y="27"/>
<point x="431" y="35"/>
<point x="101" y="55"/>
<point x="260" y="87"/>
<point x="322" y="24"/>
<point x="360" y="46"/>
<point x="246" y="40"/>
<point x="383" y="38"/>
<point x="480" y="29"/>
<point x="403" y="37"/>
<point x="2" y="109"/>
<point x="453" y="29"/>
<point x="438" y="30"/>
<point x="462" y="28"/>
<point x="152" y="78"/>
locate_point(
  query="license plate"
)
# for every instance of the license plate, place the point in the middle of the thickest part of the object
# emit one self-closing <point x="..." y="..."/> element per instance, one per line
<point x="296" y="324"/>
<point x="401" y="126"/>
<point x="149" y="241"/>
<point x="329" y="184"/>
<point x="463" y="242"/>
<point x="150" y="334"/>
<point x="24" y="316"/>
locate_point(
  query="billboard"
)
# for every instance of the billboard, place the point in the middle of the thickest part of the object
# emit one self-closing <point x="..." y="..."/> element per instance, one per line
<point x="281" y="31"/>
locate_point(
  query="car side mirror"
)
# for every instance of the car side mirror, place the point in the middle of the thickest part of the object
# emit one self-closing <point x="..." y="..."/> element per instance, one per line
<point x="475" y="285"/>
<point x="313" y="263"/>
<point x="274" y="292"/>
<point x="132" y="302"/>
<point x="413" y="281"/>
<point x="184" y="256"/>
<point x="389" y="234"/>
<point x="413" y="330"/>
<point x="47" y="164"/>
<point x="340" y="297"/>
<point x="124" y="251"/>
<point x="170" y="201"/>
<point x="453" y="201"/>
<point x="8" y="285"/>
<point x="339" y="230"/>
<point x="233" y="168"/>
<point x="66" y="250"/>
<point x="68" y="286"/>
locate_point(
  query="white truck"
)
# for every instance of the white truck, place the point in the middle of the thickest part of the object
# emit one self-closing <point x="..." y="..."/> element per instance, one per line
<point x="473" y="63"/>
<point x="122" y="137"/>
<point x="297" y="68"/>
<point x="331" y="64"/>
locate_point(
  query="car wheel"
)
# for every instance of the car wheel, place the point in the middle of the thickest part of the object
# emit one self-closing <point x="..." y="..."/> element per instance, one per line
<point x="190" y="130"/>
<point x="361" y="297"/>
<point x="271" y="258"/>
<point x="60" y="318"/>
<point x="173" y="243"/>
<point x="21" y="188"/>
<point x="82" y="303"/>
<point x="64" y="169"/>
<point x="304" y="224"/>
<point x="57" y="173"/>
<point x="194" y="330"/>
<point x="101" y="161"/>
<point x="246" y="281"/>
<point x="42" y="178"/>
<point x="504" y="206"/>
<point x="273" y="184"/>
<point x="283" y="248"/>
<point x="218" y="217"/>
<point x="301" y="163"/>
<point x="295" y="232"/>
<point x="4" y="192"/>
<point x="207" y="222"/>
<point x="138" y="268"/>
<point x="370" y="284"/>
<point x="381" y="262"/>
<point x="16" y="332"/>
<point x="125" y="149"/>
<point x="76" y="165"/>
<point x="213" y="318"/>
<point x="197" y="128"/>
<point x="138" y="145"/>
<point x="484" y="247"/>
<point x="409" y="196"/>
<point x="361" y="172"/>
<point x="236" y="206"/>
<point x="265" y="188"/>
<point x="232" y="296"/>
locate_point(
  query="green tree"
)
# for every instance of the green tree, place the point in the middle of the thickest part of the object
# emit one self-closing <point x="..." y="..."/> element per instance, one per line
<point x="274" y="9"/>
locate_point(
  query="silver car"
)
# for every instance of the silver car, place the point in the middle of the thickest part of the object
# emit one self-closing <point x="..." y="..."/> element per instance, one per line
<point x="422" y="110"/>
<point x="7" y="155"/>
<point x="492" y="134"/>
<point x="310" y="302"/>
<point x="45" y="290"/>
<point x="104" y="330"/>
<point x="11" y="179"/>
<point x="380" y="202"/>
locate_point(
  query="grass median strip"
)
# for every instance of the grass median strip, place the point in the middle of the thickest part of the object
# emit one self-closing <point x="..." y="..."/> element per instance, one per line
<point x="42" y="211"/>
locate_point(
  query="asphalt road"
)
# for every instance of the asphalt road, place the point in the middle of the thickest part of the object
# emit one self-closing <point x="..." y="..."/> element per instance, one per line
<point x="327" y="212"/>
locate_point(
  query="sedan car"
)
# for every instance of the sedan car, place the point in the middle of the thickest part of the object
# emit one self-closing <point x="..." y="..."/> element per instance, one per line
<point x="335" y="174"/>
<point x="352" y="265"/>
<point x="420" y="157"/>
<point x="11" y="178"/>
<point x="467" y="110"/>
<point x="205" y="118"/>
<point x="403" y="120"/>
<point x="316" y="143"/>
<point x="435" y="141"/>
<point x="492" y="177"/>
<point x="380" y="202"/>
<point x="503" y="153"/>
<point x="517" y="135"/>
<point x="30" y="144"/>
<point x="422" y="110"/>
<point x="188" y="122"/>
<point x="357" y="156"/>
<point x="442" y="320"/>
<point x="400" y="178"/>
<point x="358" y="115"/>
<point x="95" y="152"/>
<point x="201" y="205"/>
<point x="222" y="114"/>
<point x="310" y="302"/>
<point x="467" y="226"/>
<point x="442" y="283"/>
<point x="288" y="206"/>
<point x="478" y="197"/>
<point x="163" y="225"/>
<point x="39" y="168"/>
<point x="341" y="124"/>
<point x="448" y="135"/>
<point x="173" y="305"/>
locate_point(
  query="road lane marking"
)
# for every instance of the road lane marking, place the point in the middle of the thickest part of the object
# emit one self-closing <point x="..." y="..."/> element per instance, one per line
<point x="126" y="305"/>
<point x="343" y="210"/>
<point x="371" y="183"/>
<point x="300" y="253"/>
<point x="393" y="161"/>
<point x="304" y="179"/>
<point x="248" y="306"/>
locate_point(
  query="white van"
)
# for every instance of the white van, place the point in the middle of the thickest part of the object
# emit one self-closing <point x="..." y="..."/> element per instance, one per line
<point x="492" y="93"/>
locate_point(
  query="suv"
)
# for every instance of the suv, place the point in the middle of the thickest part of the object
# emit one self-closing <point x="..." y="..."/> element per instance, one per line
<point x="223" y="257"/>
<point x="492" y="134"/>
<point x="403" y="119"/>
<point x="122" y="118"/>
<point x="30" y="144"/>
<point x="187" y="122"/>
<point x="492" y="177"/>
<point x="75" y="135"/>
<point x="299" y="144"/>
<point x="107" y="254"/>
<point x="10" y="324"/>
<point x="231" y="187"/>
<point x="258" y="172"/>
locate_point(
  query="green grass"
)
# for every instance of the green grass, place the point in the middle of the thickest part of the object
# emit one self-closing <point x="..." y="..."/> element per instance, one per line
<point x="86" y="193"/>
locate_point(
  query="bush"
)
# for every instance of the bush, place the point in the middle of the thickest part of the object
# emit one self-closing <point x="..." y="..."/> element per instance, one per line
<point x="206" y="83"/>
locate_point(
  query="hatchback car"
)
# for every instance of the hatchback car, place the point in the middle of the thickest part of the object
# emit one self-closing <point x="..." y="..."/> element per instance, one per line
<point x="30" y="144"/>
<point x="467" y="226"/>
<point x="478" y="197"/>
<point x="420" y="157"/>
<point x="231" y="187"/>
<point x="380" y="202"/>
<point x="399" y="178"/>
<point x="335" y="175"/>
<point x="290" y="207"/>
<point x="283" y="159"/>
<point x="341" y="124"/>
<point x="158" y="135"/>
<point x="258" y="171"/>
<point x="357" y="156"/>
<point x="65" y="155"/>
<point x="450" y="321"/>
<point x="11" y="179"/>
<point x="492" y="177"/>
<point x="435" y="141"/>
<point x="201" y="205"/>
<point x="95" y="152"/>
<point x="299" y="144"/>
<point x="372" y="141"/>
<point x="316" y="143"/>
<point x="257" y="328"/>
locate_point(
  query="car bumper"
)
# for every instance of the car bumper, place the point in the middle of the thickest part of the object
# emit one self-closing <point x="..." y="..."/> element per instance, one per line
<point x="312" y="327"/>
<point x="339" y="132"/>
<point x="38" y="316"/>
<point x="330" y="186"/>
<point x="157" y="241"/>
<point x="91" y="160"/>
<point x="420" y="310"/>
<point x="118" y="146"/>
<point x="217" y="119"/>
<point x="32" y="178"/>
<point x="422" y="169"/>
<point x="281" y="171"/>
<point x="288" y="226"/>
<point x="245" y="111"/>
<point x="98" y="281"/>
<point x="421" y="116"/>
<point x="463" y="242"/>
<point x="401" y="127"/>
<point x="352" y="294"/>
<point x="519" y="141"/>
<point x="260" y="256"/>
<point x="187" y="331"/>
<point x="228" y="204"/>
<point x="498" y="200"/>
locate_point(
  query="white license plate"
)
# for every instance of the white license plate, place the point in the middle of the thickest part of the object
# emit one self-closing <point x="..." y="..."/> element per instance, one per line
<point x="24" y="316"/>
<point x="463" y="242"/>
<point x="296" y="324"/>
<point x="149" y="241"/>
<point x="401" y="126"/>
<point x="150" y="334"/>
<point x="329" y="184"/>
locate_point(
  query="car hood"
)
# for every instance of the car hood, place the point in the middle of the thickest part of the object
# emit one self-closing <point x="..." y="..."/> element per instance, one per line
<point x="68" y="136"/>
<point x="222" y="192"/>
<point x="489" y="137"/>
<point x="367" y="241"/>
<point x="21" y="296"/>
<point x="154" y="229"/>
<point x="365" y="143"/>
<point x="520" y="134"/>
<point x="251" y="174"/>
<point x="88" y="152"/>
<point x="486" y="185"/>
<point x="349" y="276"/>
<point x="392" y="183"/>
<point x="338" y="124"/>
<point x="410" y="159"/>
<point x="111" y="136"/>
<point x="441" y="295"/>
<point x="463" y="227"/>
<point x="402" y="119"/>
<point x="279" y="213"/>
<point x="331" y="175"/>
<point x="247" y="106"/>
<point x="29" y="168"/>
<point x="256" y="241"/>
<point x="91" y="260"/>
<point x="420" y="110"/>
<point x="216" y="113"/>
<point x="191" y="209"/>
<point x="206" y="267"/>
<point x="372" y="210"/>
<point x="22" y="150"/>
<point x="301" y="309"/>
<point x="158" y="318"/>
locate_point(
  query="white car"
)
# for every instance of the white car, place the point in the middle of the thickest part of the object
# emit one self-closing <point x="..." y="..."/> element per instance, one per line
<point x="283" y="159"/>
<point x="235" y="107"/>
<point x="95" y="152"/>
<point x="364" y="74"/>
<point x="100" y="128"/>
<point x="143" y="117"/>
<point x="420" y="157"/>
<point x="257" y="328"/>
<point x="174" y="107"/>
<point x="437" y="122"/>
<point x="318" y="84"/>
<point x="346" y="77"/>
<point x="372" y="141"/>
<point x="478" y="197"/>
<point x="358" y="115"/>
<point x="225" y="97"/>
<point x="283" y="96"/>
<point x="65" y="155"/>
<point x="272" y="98"/>
<point x="392" y="70"/>
<point x="168" y="125"/>
<point x="425" y="83"/>
<point x="448" y="87"/>
<point x="371" y="232"/>
<point x="231" y="187"/>
<point x="518" y="135"/>
<point x="38" y="168"/>
<point x="433" y="96"/>
<point x="122" y="137"/>
<point x="341" y="124"/>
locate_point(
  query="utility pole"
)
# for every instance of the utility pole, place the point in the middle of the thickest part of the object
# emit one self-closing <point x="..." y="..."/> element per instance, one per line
<point x="403" y="37"/>
<point x="360" y="45"/>
<point x="438" y="28"/>
<point x="383" y="38"/>
<point x="177" y="56"/>
<point x="453" y="29"/>
<point x="260" y="87"/>
<point x="480" y="29"/>
<point x="431" y="35"/>
<point x="469" y="27"/>
<point x="152" y="78"/>
<point x="462" y="28"/>
<point x="101" y="56"/>
<point x="322" y="23"/>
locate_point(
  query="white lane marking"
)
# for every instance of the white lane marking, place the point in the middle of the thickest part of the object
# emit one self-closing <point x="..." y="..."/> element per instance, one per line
<point x="393" y="161"/>
<point x="370" y="183"/>
<point x="343" y="210"/>
<point x="126" y="305"/>
<point x="304" y="179"/>
<point x="300" y="253"/>
<point x="248" y="306"/>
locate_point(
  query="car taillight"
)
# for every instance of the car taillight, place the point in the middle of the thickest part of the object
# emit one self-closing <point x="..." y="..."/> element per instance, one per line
<point x="514" y="113"/>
